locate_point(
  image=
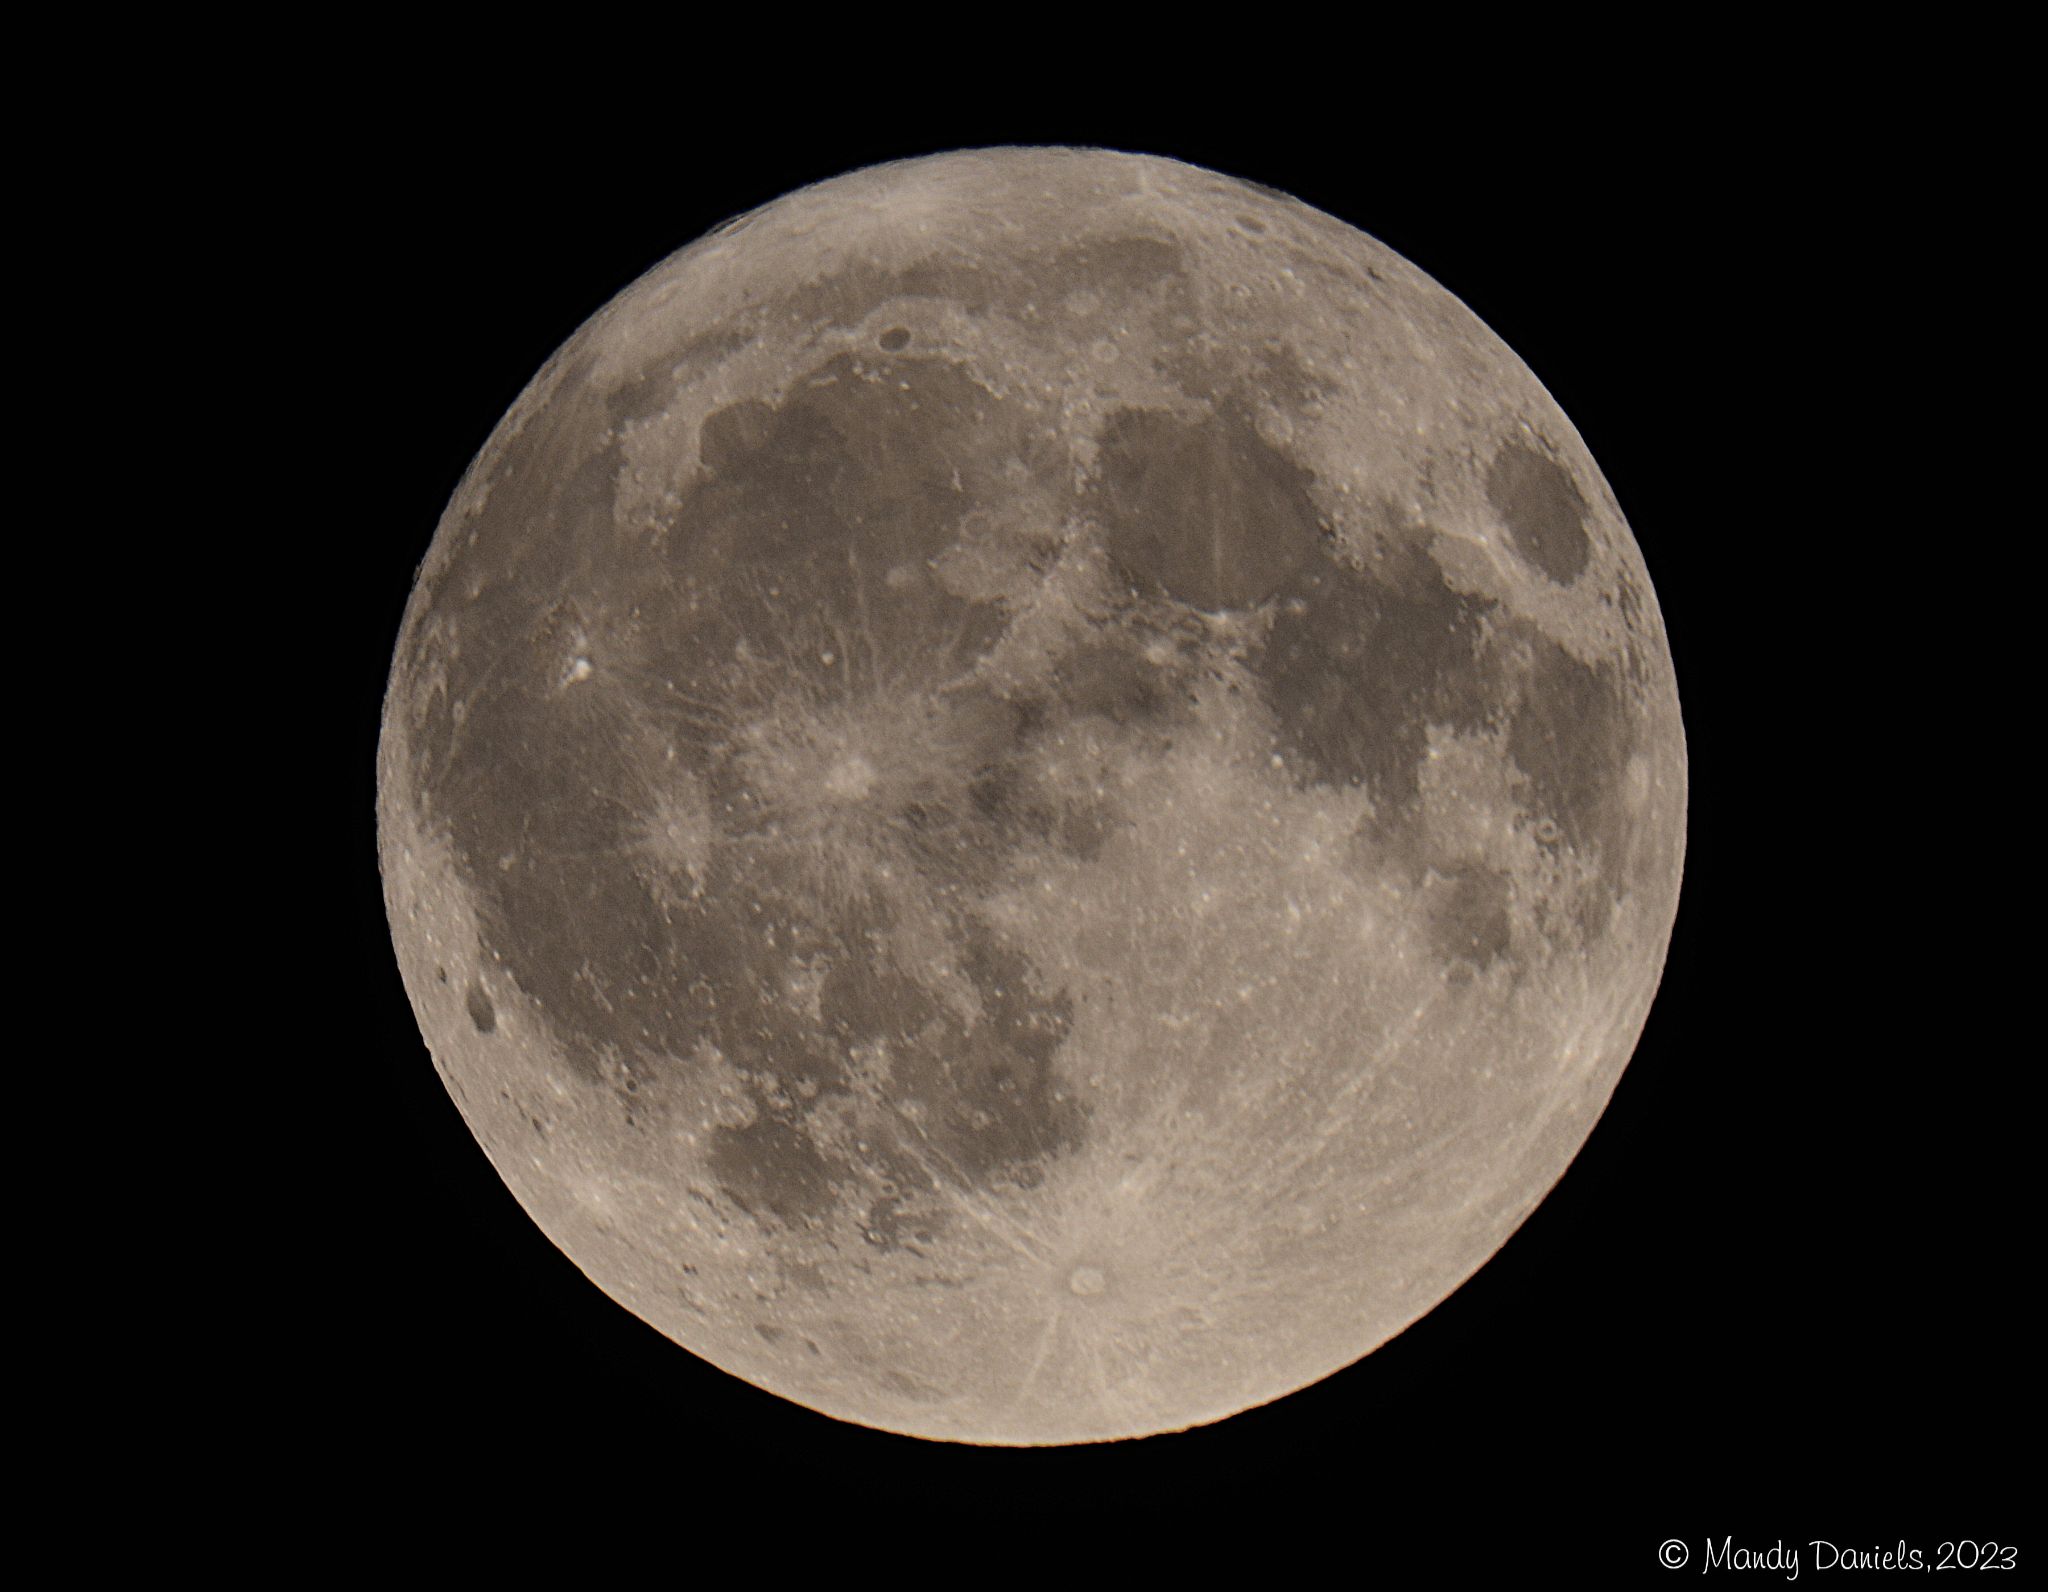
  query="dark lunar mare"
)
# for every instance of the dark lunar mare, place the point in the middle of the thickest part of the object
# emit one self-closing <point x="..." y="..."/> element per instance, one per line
<point x="1362" y="660"/>
<point x="815" y="519"/>
<point x="1542" y="509"/>
<point x="1203" y="510"/>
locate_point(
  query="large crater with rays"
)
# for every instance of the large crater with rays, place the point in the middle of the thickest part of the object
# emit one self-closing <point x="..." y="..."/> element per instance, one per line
<point x="1032" y="796"/>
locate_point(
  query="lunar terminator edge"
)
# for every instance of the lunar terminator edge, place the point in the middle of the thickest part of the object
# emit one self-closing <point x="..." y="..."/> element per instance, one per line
<point x="1032" y="796"/>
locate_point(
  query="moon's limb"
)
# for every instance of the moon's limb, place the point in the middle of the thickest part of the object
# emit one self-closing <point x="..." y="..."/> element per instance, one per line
<point x="1032" y="796"/>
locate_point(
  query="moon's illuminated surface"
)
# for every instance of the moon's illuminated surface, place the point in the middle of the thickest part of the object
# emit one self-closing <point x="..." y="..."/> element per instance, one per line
<point x="1032" y="796"/>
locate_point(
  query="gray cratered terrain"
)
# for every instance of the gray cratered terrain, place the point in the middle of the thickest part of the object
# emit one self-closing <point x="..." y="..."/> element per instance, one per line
<point x="1032" y="796"/>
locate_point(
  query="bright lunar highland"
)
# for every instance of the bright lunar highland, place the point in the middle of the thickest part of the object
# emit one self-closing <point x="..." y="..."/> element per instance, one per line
<point x="1032" y="796"/>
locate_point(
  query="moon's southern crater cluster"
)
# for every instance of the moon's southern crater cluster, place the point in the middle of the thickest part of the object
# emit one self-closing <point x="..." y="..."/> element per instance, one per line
<point x="1032" y="796"/>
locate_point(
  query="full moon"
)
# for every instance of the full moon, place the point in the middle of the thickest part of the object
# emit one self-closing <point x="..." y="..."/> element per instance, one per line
<point x="1032" y="796"/>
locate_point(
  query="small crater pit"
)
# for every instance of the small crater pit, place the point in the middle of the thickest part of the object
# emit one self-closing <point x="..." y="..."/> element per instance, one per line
<point x="481" y="1012"/>
<point x="1087" y="1281"/>
<point x="851" y="778"/>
